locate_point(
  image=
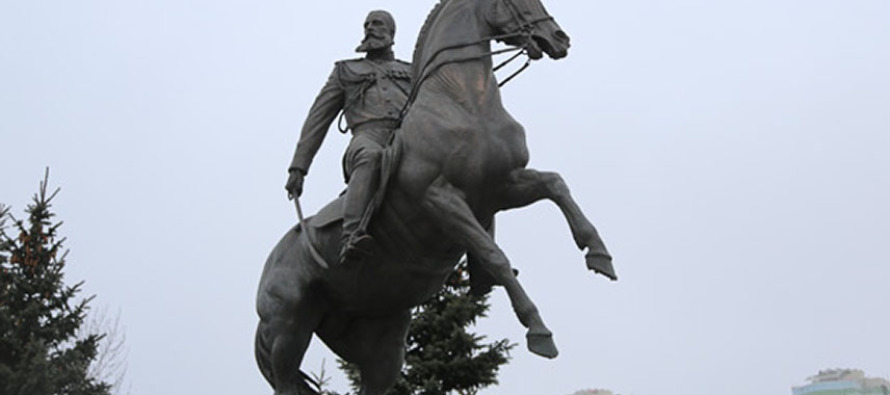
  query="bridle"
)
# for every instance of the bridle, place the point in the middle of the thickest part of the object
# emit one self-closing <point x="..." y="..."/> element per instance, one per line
<point x="526" y="27"/>
<point x="525" y="24"/>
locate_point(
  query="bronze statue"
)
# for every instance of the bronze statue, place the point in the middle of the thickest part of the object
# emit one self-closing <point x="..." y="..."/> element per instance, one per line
<point x="457" y="159"/>
<point x="371" y="93"/>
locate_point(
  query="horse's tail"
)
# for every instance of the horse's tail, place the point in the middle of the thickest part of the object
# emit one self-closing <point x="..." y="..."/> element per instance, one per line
<point x="263" y="352"/>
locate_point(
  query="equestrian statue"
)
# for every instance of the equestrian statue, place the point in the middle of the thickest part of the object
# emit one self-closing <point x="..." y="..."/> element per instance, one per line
<point x="452" y="160"/>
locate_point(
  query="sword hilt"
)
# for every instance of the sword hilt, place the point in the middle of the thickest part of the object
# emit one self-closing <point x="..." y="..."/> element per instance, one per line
<point x="296" y="200"/>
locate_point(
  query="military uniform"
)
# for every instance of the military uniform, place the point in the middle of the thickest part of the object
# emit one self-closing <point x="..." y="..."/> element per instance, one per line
<point x="371" y="94"/>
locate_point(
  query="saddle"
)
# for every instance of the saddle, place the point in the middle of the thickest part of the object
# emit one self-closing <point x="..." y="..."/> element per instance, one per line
<point x="332" y="213"/>
<point x="481" y="282"/>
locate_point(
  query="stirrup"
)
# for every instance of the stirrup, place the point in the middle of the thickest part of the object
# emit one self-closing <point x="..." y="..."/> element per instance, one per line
<point x="357" y="247"/>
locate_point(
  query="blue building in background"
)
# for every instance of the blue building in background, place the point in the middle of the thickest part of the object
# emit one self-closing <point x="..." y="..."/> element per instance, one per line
<point x="843" y="382"/>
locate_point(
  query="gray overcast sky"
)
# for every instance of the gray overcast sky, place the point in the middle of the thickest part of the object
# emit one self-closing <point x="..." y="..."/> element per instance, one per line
<point x="733" y="154"/>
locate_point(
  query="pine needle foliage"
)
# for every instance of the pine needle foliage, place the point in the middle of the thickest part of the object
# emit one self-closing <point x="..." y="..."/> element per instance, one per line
<point x="40" y="352"/>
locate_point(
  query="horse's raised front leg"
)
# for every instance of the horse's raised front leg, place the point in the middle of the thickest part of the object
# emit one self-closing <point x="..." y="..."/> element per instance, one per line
<point x="445" y="203"/>
<point x="526" y="186"/>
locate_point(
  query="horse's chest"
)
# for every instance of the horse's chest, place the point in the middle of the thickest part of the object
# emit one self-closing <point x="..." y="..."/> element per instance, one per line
<point x="491" y="150"/>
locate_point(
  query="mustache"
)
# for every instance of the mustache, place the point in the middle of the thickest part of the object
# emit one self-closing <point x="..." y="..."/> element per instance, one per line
<point x="375" y="36"/>
<point x="373" y="41"/>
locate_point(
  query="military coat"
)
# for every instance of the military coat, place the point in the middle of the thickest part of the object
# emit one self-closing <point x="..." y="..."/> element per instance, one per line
<point x="367" y="91"/>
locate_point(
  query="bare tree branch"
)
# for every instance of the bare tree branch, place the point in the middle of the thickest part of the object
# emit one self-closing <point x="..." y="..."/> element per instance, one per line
<point x="110" y="364"/>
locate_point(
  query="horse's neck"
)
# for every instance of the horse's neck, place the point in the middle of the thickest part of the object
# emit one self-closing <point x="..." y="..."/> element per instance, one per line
<point x="468" y="84"/>
<point x="463" y="72"/>
<point x="457" y="23"/>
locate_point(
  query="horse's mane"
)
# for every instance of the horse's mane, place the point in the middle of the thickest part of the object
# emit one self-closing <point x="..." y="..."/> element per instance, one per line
<point x="424" y="31"/>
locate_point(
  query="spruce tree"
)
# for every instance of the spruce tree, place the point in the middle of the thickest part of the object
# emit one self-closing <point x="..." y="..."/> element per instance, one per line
<point x="443" y="357"/>
<point x="40" y="350"/>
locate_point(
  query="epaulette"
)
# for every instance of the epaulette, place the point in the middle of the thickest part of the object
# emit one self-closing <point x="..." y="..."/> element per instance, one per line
<point x="344" y="61"/>
<point x="400" y="69"/>
<point x="355" y="70"/>
<point x="402" y="74"/>
<point x="358" y="60"/>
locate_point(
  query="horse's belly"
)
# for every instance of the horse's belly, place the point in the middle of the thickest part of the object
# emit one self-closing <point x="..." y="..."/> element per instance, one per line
<point x="381" y="289"/>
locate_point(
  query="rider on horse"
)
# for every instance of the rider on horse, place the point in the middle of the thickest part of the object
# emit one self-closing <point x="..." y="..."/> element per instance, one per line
<point x="461" y="159"/>
<point x="371" y="92"/>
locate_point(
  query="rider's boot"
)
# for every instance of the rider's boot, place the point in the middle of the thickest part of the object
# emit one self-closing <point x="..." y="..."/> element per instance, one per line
<point x="357" y="243"/>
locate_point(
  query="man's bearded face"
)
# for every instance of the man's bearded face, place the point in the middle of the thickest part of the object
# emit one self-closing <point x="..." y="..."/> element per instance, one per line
<point x="378" y="33"/>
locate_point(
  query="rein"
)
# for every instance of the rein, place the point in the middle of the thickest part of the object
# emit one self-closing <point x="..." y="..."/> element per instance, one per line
<point x="528" y="62"/>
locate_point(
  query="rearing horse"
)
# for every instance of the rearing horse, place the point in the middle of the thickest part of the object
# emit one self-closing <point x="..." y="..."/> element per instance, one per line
<point x="462" y="160"/>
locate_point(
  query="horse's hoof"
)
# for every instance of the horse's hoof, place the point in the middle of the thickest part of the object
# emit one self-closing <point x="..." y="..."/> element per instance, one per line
<point x="602" y="264"/>
<point x="542" y="344"/>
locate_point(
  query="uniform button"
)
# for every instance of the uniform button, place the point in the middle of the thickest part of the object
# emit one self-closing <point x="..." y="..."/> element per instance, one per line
<point x="385" y="89"/>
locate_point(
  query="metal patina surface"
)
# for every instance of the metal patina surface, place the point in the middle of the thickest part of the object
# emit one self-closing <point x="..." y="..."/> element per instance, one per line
<point x="419" y="196"/>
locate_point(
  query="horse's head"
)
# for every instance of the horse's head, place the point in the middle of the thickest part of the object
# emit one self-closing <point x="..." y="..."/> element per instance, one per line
<point x="528" y="25"/>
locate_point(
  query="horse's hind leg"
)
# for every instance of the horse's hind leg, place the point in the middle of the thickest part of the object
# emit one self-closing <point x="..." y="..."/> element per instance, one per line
<point x="289" y="314"/>
<point x="385" y="346"/>
<point x="445" y="203"/>
<point x="376" y="345"/>
<point x="526" y="186"/>
<point x="281" y="343"/>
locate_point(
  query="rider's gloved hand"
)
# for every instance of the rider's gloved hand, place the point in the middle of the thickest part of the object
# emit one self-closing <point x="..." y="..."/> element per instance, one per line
<point x="294" y="184"/>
